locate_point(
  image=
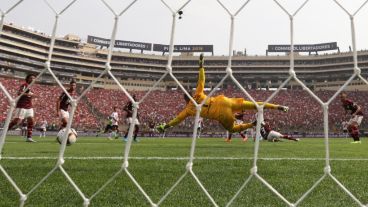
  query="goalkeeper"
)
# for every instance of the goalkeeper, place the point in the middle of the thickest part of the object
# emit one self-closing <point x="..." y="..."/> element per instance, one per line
<point x="220" y="108"/>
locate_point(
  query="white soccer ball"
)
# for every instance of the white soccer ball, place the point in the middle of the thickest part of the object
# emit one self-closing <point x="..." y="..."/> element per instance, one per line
<point x="72" y="136"/>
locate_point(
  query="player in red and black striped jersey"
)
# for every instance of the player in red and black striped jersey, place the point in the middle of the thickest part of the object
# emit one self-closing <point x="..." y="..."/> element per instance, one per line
<point x="151" y="126"/>
<point x="356" y="116"/>
<point x="24" y="108"/>
<point x="63" y="103"/>
<point x="128" y="108"/>
<point x="271" y="135"/>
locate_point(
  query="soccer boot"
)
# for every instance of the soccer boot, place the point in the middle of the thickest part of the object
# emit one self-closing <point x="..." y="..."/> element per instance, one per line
<point x="29" y="139"/>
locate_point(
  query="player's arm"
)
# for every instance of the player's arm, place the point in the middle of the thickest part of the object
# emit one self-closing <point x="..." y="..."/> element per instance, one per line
<point x="126" y="107"/>
<point x="177" y="120"/>
<point x="58" y="105"/>
<point x="359" y="109"/>
<point x="201" y="76"/>
<point x="27" y="91"/>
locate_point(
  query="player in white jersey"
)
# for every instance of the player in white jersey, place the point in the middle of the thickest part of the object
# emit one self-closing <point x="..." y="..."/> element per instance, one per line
<point x="115" y="123"/>
<point x="43" y="127"/>
<point x="200" y="127"/>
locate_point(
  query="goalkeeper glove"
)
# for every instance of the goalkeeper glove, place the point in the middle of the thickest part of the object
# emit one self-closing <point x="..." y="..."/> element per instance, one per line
<point x="161" y="128"/>
<point x="283" y="108"/>
<point x="201" y="60"/>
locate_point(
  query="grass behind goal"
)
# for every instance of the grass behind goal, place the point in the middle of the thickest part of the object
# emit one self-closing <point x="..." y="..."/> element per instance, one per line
<point x="290" y="167"/>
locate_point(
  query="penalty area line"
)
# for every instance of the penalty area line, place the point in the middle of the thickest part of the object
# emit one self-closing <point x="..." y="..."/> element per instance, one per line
<point x="187" y="158"/>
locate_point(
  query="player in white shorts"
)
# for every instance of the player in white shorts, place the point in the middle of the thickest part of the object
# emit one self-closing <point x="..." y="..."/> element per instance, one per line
<point x="128" y="108"/>
<point x="63" y="103"/>
<point x="114" y="124"/>
<point x="273" y="136"/>
<point x="356" y="113"/>
<point x="43" y="127"/>
<point x="200" y="127"/>
<point x="24" y="108"/>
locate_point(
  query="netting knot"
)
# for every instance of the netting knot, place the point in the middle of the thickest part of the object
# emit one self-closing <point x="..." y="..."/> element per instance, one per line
<point x="135" y="105"/>
<point x="47" y="64"/>
<point x="154" y="205"/>
<point x="60" y="161"/>
<point x="168" y="68"/>
<point x="86" y="202"/>
<point x="189" y="166"/>
<point x="12" y="103"/>
<point x="325" y="106"/>
<point x="23" y="198"/>
<point x="292" y="205"/>
<point x="292" y="73"/>
<point x="74" y="102"/>
<point x="125" y="164"/>
<point x="327" y="169"/>
<point x="107" y="66"/>
<point x="229" y="71"/>
<point x="253" y="170"/>
<point x="357" y="71"/>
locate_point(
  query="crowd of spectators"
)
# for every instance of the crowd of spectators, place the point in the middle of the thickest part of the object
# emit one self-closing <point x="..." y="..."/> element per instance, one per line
<point x="305" y="114"/>
<point x="44" y="105"/>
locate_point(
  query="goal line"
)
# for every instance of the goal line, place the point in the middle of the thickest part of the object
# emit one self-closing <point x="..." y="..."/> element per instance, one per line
<point x="186" y="158"/>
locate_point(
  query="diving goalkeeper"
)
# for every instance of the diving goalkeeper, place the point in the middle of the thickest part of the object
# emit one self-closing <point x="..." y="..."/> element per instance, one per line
<point x="220" y="108"/>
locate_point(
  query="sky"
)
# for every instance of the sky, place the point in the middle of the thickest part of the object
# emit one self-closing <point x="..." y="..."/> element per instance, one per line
<point x="258" y="24"/>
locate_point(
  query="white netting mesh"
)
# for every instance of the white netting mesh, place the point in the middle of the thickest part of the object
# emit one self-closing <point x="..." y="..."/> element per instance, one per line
<point x="188" y="170"/>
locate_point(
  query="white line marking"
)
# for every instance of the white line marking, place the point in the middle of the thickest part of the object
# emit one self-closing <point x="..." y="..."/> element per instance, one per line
<point x="185" y="158"/>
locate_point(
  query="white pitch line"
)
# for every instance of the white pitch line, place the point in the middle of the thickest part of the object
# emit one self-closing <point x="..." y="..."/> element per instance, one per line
<point x="185" y="158"/>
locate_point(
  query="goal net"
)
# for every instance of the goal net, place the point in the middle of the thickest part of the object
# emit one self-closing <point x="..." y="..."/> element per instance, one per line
<point x="189" y="170"/>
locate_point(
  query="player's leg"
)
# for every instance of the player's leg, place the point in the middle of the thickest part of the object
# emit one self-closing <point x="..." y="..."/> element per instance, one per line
<point x="117" y="132"/>
<point x="229" y="137"/>
<point x="30" y="128"/>
<point x="244" y="136"/>
<point x="273" y="136"/>
<point x="136" y="130"/>
<point x="114" y="131"/>
<point x="354" y="132"/>
<point x="278" y="135"/>
<point x="353" y="128"/>
<point x="125" y="138"/>
<point x="290" y="138"/>
<point x="241" y="127"/>
<point x="19" y="116"/>
<point x="14" y="122"/>
<point x="240" y="104"/>
<point x="199" y="132"/>
<point x="64" y="116"/>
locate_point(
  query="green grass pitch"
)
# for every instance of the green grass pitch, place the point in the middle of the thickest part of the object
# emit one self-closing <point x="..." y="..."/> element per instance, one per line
<point x="158" y="163"/>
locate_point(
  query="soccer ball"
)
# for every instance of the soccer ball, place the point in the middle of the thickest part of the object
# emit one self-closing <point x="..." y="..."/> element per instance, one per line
<point x="72" y="136"/>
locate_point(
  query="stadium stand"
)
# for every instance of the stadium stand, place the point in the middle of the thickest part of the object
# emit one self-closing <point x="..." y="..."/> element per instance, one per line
<point x="23" y="51"/>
